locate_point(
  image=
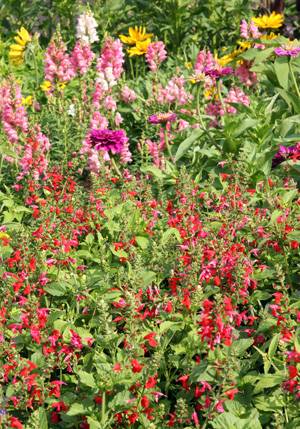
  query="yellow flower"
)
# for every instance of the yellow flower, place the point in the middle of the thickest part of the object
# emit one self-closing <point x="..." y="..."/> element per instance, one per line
<point x="3" y="235"/>
<point x="46" y="85"/>
<point x="16" y="53"/>
<point x="244" y="46"/>
<point x="139" y="49"/>
<point x="62" y="85"/>
<point x="135" y="35"/>
<point x="270" y="36"/>
<point x="273" y="21"/>
<point x="27" y="100"/>
<point x="188" y="65"/>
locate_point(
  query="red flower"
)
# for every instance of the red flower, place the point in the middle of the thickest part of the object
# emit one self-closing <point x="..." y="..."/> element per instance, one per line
<point x="150" y="383"/>
<point x="133" y="417"/>
<point x="117" y="367"/>
<point x="148" y="411"/>
<point x="145" y="401"/>
<point x="230" y="393"/>
<point x="14" y="423"/>
<point x="151" y="340"/>
<point x="168" y="307"/>
<point x="186" y="301"/>
<point x="136" y="367"/>
<point x="293" y="372"/>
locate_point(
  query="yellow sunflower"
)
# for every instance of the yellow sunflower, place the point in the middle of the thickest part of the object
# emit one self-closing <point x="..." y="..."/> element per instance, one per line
<point x="135" y="35"/>
<point x="139" y="49"/>
<point x="16" y="53"/>
<point x="275" y="20"/>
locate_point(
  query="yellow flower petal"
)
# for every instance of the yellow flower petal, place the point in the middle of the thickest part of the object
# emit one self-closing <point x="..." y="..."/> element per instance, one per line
<point x="17" y="48"/>
<point x="20" y="41"/>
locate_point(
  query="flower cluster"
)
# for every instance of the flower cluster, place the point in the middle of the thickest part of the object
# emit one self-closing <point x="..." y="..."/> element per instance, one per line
<point x="86" y="28"/>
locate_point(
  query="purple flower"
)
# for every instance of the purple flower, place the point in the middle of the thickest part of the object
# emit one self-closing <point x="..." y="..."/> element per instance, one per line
<point x="108" y="140"/>
<point x="216" y="72"/>
<point x="287" y="50"/>
<point x="283" y="154"/>
<point x="162" y="118"/>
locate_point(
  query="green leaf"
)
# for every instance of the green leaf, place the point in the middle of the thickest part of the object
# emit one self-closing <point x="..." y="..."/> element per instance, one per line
<point x="55" y="289"/>
<point x="249" y="54"/>
<point x="275" y="215"/>
<point x="267" y="382"/>
<point x="244" y="125"/>
<point x="187" y="143"/>
<point x="282" y="71"/>
<point x="167" y="234"/>
<point x="119" y="253"/>
<point x="156" y="172"/>
<point x="262" y="55"/>
<point x="273" y="346"/>
<point x="290" y="195"/>
<point x="80" y="408"/>
<point x="168" y="325"/>
<point x="242" y="344"/>
<point x="143" y="242"/>
<point x="269" y="403"/>
<point x="94" y="424"/>
<point x="42" y="418"/>
<point x="87" y="379"/>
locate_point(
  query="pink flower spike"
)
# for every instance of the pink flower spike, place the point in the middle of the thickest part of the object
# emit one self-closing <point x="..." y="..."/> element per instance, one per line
<point x="157" y="394"/>
<point x="222" y="163"/>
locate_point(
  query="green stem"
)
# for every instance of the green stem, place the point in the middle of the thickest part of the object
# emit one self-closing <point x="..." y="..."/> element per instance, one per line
<point x="115" y="166"/>
<point x="131" y="68"/>
<point x="293" y="77"/>
<point x="143" y="61"/>
<point x="36" y="71"/>
<point x="103" y="409"/>
<point x="201" y="120"/>
<point x="136" y="66"/>
<point x="220" y="96"/>
<point x="287" y="268"/>
<point x="167" y="143"/>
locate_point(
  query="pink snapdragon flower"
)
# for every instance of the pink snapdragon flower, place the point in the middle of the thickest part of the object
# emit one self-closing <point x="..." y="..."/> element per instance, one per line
<point x="13" y="112"/>
<point x="244" y="74"/>
<point x="112" y="56"/>
<point x="155" y="55"/>
<point x="110" y="104"/>
<point x="174" y="92"/>
<point x="249" y="31"/>
<point x="128" y="95"/>
<point x="58" y="65"/>
<point x="235" y="95"/>
<point x="81" y="58"/>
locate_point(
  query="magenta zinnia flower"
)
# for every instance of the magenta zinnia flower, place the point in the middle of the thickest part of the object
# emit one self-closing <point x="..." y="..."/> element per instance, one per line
<point x="108" y="140"/>
<point x="162" y="118"/>
<point x="216" y="72"/>
<point x="287" y="50"/>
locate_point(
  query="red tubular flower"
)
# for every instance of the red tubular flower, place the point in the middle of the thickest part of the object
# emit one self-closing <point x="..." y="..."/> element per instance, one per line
<point x="136" y="367"/>
<point x="151" y="340"/>
<point x="145" y="401"/>
<point x="230" y="393"/>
